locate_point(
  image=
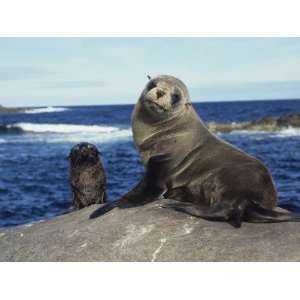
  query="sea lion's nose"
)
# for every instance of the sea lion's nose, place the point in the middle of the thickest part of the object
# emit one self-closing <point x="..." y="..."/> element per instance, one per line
<point x="160" y="93"/>
<point x="83" y="149"/>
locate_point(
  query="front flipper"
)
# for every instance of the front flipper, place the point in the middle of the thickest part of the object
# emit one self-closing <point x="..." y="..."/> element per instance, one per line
<point x="105" y="208"/>
<point x="152" y="186"/>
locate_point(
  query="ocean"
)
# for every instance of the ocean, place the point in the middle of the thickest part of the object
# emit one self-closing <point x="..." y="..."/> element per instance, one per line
<point x="34" y="149"/>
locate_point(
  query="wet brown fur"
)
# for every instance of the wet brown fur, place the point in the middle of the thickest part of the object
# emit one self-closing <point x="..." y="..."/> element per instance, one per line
<point x="202" y="174"/>
<point x="87" y="176"/>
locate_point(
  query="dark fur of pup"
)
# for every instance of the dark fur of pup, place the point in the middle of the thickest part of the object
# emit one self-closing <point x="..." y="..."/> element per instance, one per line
<point x="87" y="176"/>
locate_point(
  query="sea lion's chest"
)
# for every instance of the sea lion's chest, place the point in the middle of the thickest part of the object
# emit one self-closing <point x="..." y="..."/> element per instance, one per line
<point x="175" y="137"/>
<point x="87" y="177"/>
<point x="173" y="142"/>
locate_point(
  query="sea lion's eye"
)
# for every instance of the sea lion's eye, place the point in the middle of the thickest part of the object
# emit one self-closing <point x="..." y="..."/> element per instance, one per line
<point x="151" y="85"/>
<point x="175" y="98"/>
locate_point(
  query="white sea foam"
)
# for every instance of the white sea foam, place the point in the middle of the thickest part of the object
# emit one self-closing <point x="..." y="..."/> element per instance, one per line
<point x="62" y="133"/>
<point x="43" y="110"/>
<point x="248" y="132"/>
<point x="290" y="131"/>
<point x="104" y="137"/>
<point x="63" y="128"/>
<point x="286" y="132"/>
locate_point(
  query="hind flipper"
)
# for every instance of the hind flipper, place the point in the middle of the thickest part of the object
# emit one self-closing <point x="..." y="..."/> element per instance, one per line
<point x="257" y="214"/>
<point x="218" y="213"/>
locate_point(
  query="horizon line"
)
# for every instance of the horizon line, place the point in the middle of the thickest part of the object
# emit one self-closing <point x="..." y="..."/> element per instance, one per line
<point x="120" y="104"/>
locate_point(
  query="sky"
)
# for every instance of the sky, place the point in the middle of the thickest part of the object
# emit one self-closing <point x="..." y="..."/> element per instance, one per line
<point x="95" y="71"/>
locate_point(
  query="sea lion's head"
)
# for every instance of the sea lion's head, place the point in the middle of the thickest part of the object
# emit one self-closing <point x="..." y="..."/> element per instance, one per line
<point x="84" y="154"/>
<point x="165" y="96"/>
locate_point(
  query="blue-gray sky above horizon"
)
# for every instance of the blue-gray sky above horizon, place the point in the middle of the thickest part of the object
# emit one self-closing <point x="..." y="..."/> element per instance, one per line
<point x="83" y="71"/>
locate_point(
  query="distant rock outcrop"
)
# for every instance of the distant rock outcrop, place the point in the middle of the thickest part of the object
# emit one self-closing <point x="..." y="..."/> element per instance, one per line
<point x="147" y="233"/>
<point x="264" y="124"/>
<point x="11" y="109"/>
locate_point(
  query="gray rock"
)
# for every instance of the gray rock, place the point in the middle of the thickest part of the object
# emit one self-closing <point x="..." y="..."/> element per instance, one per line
<point x="147" y="233"/>
<point x="12" y="109"/>
<point x="292" y="119"/>
<point x="264" y="124"/>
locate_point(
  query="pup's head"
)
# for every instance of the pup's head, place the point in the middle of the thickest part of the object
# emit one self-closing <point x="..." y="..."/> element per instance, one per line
<point x="84" y="154"/>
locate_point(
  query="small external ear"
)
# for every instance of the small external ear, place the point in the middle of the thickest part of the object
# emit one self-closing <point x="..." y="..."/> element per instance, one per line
<point x="149" y="77"/>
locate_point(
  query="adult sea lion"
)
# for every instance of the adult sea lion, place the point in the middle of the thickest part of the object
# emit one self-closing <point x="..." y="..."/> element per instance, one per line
<point x="87" y="176"/>
<point x="184" y="161"/>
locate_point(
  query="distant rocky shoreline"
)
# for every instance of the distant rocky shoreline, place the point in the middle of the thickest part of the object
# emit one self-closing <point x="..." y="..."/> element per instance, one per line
<point x="264" y="124"/>
<point x="13" y="109"/>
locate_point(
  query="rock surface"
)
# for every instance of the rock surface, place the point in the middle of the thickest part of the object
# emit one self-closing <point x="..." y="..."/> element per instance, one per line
<point x="147" y="233"/>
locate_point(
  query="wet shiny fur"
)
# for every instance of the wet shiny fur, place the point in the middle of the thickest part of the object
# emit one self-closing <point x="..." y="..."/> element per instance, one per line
<point x="87" y="176"/>
<point x="202" y="174"/>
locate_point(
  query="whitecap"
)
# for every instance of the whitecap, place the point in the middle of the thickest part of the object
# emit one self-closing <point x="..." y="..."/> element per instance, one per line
<point x="69" y="133"/>
<point x="282" y="133"/>
<point x="248" y="132"/>
<point x="49" y="109"/>
<point x="288" y="132"/>
<point x="104" y="137"/>
<point x="62" y="128"/>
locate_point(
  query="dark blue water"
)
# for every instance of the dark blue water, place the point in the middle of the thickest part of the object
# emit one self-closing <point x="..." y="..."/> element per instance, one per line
<point x="34" y="169"/>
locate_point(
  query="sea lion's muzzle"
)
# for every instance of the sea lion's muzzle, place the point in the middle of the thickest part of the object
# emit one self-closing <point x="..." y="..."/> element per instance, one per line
<point x="159" y="98"/>
<point x="160" y="93"/>
<point x="157" y="94"/>
<point x="84" y="152"/>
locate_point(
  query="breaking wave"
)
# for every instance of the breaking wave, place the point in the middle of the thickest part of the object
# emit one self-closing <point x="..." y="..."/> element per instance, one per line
<point x="290" y="131"/>
<point x="56" y="133"/>
<point x="42" y="110"/>
<point x="56" y="128"/>
<point x="284" y="132"/>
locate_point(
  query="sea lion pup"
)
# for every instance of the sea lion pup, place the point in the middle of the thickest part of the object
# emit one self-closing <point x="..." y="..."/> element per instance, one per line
<point x="87" y="176"/>
<point x="184" y="161"/>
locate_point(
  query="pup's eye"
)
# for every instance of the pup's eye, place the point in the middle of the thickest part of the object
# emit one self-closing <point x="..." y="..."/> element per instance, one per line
<point x="175" y="98"/>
